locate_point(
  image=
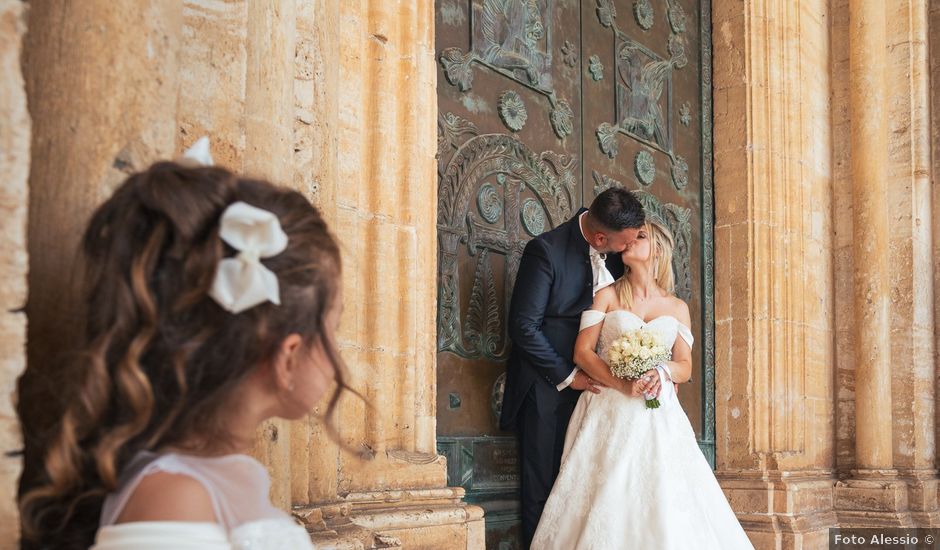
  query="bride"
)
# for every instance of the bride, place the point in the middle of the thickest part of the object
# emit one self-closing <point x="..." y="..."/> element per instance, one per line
<point x="633" y="477"/>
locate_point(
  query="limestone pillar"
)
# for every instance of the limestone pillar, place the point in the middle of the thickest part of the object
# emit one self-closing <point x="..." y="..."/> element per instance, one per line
<point x="911" y="263"/>
<point x="385" y="211"/>
<point x="774" y="324"/>
<point x="268" y="129"/>
<point x="869" y="124"/>
<point x="934" y="173"/>
<point x="14" y="170"/>
<point x="338" y="101"/>
<point x="316" y="99"/>
<point x="101" y="81"/>
<point x="887" y="427"/>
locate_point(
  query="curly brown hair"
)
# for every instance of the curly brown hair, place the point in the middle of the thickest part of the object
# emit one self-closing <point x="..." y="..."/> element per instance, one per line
<point x="159" y="356"/>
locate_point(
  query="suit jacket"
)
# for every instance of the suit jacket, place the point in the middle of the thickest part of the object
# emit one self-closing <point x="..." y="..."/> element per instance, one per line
<point x="553" y="287"/>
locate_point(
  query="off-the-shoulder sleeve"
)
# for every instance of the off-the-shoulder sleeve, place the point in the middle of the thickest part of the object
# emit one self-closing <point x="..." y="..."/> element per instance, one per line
<point x="160" y="535"/>
<point x="591" y="317"/>
<point x="685" y="332"/>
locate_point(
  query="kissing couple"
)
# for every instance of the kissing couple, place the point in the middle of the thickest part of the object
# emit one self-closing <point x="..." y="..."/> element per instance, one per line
<point x="601" y="468"/>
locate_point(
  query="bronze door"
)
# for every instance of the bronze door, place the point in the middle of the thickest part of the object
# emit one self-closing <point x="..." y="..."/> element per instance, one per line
<point x="542" y="105"/>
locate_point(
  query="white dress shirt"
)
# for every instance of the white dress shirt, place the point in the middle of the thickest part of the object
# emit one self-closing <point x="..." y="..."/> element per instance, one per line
<point x="601" y="278"/>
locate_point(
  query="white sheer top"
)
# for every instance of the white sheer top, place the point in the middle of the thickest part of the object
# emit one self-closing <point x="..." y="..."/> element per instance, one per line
<point x="238" y="487"/>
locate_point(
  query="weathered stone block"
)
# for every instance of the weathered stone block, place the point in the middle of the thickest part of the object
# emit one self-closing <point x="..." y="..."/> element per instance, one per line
<point x="14" y="169"/>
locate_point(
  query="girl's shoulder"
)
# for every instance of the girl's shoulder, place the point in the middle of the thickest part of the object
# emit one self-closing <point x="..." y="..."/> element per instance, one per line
<point x="168" y="496"/>
<point x="228" y="490"/>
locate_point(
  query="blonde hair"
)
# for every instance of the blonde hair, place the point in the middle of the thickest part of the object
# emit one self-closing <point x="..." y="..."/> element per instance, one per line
<point x="661" y="246"/>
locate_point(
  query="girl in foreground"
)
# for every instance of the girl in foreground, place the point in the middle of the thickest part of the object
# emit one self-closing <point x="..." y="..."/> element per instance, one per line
<point x="211" y="305"/>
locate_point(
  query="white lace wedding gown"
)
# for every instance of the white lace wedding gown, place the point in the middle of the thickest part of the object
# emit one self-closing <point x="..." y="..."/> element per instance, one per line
<point x="633" y="477"/>
<point x="238" y="486"/>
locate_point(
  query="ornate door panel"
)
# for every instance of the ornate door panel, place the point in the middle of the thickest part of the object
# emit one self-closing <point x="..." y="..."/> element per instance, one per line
<point x="543" y="104"/>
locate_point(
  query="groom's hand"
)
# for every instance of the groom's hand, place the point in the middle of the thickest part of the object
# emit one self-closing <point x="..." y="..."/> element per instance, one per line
<point x="584" y="382"/>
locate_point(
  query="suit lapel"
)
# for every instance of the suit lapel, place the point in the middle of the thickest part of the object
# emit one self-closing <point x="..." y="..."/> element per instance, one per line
<point x="576" y="242"/>
<point x="578" y="251"/>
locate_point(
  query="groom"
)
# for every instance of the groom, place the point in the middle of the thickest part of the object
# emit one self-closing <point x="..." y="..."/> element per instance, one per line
<point x="559" y="273"/>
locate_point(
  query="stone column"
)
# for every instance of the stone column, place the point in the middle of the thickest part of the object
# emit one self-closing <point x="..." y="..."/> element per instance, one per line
<point x="773" y="271"/>
<point x="316" y="99"/>
<point x="911" y="263"/>
<point x="101" y="77"/>
<point x="385" y="208"/>
<point x="934" y="43"/>
<point x="14" y="170"/>
<point x="268" y="126"/>
<point x="869" y="125"/>
<point x="887" y="428"/>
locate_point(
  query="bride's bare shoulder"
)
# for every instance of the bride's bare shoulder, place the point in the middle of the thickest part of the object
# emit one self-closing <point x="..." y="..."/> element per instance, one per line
<point x="606" y="299"/>
<point x="680" y="309"/>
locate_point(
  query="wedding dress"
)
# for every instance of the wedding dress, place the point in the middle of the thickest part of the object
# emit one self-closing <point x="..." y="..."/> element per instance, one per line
<point x="238" y="487"/>
<point x="633" y="477"/>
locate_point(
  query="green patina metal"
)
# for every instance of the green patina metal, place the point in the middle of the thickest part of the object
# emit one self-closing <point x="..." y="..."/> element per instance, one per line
<point x="707" y="440"/>
<point x="512" y="110"/>
<point x="596" y="68"/>
<point x="643" y="12"/>
<point x="645" y="167"/>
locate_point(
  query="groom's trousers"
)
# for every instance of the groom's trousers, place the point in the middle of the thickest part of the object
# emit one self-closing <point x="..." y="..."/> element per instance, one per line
<point x="541" y="426"/>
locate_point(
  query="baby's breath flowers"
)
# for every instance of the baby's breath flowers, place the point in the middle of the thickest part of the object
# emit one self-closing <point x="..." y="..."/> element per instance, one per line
<point x="635" y="352"/>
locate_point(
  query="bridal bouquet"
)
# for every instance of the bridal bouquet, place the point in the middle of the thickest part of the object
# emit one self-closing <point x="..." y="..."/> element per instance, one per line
<point x="635" y="352"/>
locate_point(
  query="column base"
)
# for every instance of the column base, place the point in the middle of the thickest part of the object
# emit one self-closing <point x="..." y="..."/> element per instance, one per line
<point x="780" y="509"/>
<point x="888" y="498"/>
<point x="415" y="519"/>
<point x="873" y="498"/>
<point x="922" y="487"/>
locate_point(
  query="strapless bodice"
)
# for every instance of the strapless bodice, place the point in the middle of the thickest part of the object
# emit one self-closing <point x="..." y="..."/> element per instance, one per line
<point x="618" y="321"/>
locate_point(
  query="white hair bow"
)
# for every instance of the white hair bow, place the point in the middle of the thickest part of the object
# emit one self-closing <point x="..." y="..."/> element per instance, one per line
<point x="198" y="154"/>
<point x="243" y="282"/>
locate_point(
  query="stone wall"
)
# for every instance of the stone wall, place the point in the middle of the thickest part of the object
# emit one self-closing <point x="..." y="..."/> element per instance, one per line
<point x="14" y="170"/>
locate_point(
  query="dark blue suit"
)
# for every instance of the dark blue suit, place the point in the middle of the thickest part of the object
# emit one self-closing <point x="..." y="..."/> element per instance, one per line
<point x="552" y="288"/>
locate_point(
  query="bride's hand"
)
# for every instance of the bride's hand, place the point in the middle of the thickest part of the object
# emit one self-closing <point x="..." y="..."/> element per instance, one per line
<point x="648" y="384"/>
